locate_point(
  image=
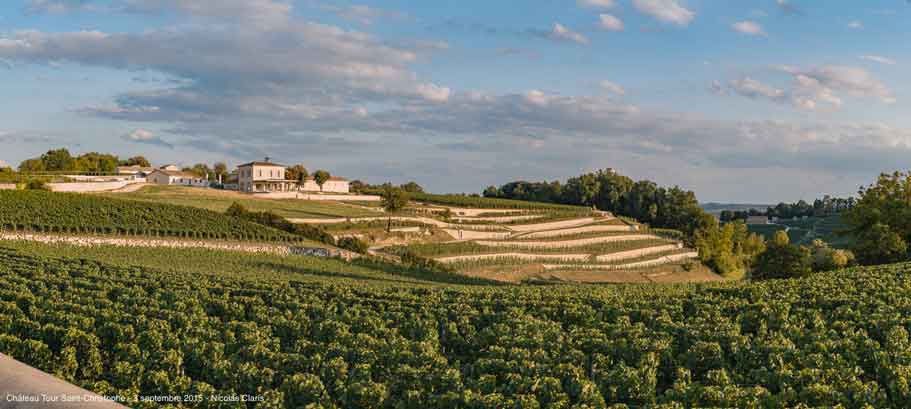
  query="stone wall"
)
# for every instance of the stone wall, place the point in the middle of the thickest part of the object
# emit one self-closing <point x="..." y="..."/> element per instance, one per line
<point x="7" y="186"/>
<point x="86" y="187"/>
<point x="90" y="241"/>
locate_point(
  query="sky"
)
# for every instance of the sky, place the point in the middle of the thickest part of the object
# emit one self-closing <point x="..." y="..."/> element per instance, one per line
<point x="740" y="101"/>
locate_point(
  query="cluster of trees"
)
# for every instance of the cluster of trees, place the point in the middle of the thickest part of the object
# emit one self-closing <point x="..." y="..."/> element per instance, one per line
<point x="607" y="190"/>
<point x="827" y="206"/>
<point x="218" y="171"/>
<point x="880" y="220"/>
<point x="785" y="260"/>
<point x="60" y="160"/>
<point x="362" y="187"/>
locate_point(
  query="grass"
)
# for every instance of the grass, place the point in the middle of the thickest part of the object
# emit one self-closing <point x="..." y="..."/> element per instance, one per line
<point x="220" y="200"/>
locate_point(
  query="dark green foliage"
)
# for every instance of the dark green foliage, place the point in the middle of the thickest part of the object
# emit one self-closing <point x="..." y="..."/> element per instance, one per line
<point x="72" y="213"/>
<point x="37" y="184"/>
<point x="353" y="244"/>
<point x="836" y="340"/>
<point x="782" y="260"/>
<point x="645" y="201"/>
<point x="881" y="219"/>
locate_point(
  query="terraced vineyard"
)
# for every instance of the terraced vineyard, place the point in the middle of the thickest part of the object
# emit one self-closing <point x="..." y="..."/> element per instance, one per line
<point x="517" y="242"/>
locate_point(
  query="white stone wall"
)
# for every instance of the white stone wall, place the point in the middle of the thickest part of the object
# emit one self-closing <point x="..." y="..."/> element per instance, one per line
<point x="7" y="186"/>
<point x="331" y="186"/>
<point x="86" y="187"/>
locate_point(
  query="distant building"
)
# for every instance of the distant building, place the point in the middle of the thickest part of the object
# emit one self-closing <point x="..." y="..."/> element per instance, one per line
<point x="135" y="170"/>
<point x="170" y="167"/>
<point x="172" y="177"/>
<point x="335" y="184"/>
<point x="757" y="220"/>
<point x="264" y="177"/>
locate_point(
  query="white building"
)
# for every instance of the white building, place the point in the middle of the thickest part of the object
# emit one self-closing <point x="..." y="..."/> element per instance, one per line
<point x="335" y="184"/>
<point x="171" y="177"/>
<point x="263" y="177"/>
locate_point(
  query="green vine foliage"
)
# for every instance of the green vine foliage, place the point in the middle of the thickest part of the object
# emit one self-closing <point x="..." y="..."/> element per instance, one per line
<point x="836" y="339"/>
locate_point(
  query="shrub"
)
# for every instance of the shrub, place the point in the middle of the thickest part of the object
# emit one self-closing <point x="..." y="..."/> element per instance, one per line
<point x="353" y="244"/>
<point x="783" y="261"/>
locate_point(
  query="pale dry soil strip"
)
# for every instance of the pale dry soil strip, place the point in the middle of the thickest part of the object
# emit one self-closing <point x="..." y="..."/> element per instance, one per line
<point x="577" y="230"/>
<point x="500" y="219"/>
<point x="557" y="244"/>
<point x="476" y="235"/>
<point x="91" y="241"/>
<point x="622" y="255"/>
<point x="563" y="224"/>
<point x="645" y="263"/>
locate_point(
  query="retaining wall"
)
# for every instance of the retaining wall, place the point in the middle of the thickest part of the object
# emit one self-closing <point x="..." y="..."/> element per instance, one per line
<point x="86" y="187"/>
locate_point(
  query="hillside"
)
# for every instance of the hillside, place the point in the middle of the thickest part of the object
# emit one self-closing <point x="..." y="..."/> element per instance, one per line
<point x="833" y="339"/>
<point x="70" y="213"/>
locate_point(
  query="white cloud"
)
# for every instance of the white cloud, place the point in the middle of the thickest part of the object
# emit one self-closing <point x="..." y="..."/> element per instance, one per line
<point x="879" y="59"/>
<point x="146" y="137"/>
<point x="857" y="25"/>
<point x="814" y="88"/>
<point x="361" y="13"/>
<point x="668" y="11"/>
<point x="433" y="92"/>
<point x="612" y="88"/>
<point x="562" y="33"/>
<point x="602" y="4"/>
<point x="748" y="28"/>
<point x="610" y="23"/>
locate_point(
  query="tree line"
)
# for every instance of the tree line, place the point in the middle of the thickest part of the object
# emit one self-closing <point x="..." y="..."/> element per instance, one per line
<point x="827" y="206"/>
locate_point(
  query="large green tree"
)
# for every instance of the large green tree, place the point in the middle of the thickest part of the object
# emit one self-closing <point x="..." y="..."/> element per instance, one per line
<point x="881" y="219"/>
<point x="393" y="199"/>
<point x="321" y="177"/>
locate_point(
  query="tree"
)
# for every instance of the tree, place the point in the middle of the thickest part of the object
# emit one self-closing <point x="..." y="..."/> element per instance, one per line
<point x="730" y="249"/>
<point x="32" y="165"/>
<point x="412" y="187"/>
<point x="881" y="219"/>
<point x="297" y="173"/>
<point x="58" y="160"/>
<point x="782" y="260"/>
<point x="879" y="244"/>
<point x="393" y="199"/>
<point x="221" y="170"/>
<point x="826" y="258"/>
<point x="321" y="177"/>
<point x="136" y="161"/>
<point x="358" y="186"/>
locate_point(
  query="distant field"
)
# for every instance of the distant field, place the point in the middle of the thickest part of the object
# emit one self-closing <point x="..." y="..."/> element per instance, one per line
<point x="805" y="231"/>
<point x="220" y="200"/>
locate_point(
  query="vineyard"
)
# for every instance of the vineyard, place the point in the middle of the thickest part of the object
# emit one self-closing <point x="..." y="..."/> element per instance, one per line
<point x="68" y="213"/>
<point x="834" y="339"/>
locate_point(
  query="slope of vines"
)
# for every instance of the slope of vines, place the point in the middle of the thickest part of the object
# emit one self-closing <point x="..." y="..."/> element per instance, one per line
<point x="79" y="214"/>
<point x="834" y="339"/>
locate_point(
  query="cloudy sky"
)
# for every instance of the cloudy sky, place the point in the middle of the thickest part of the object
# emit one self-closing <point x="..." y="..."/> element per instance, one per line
<point x="748" y="100"/>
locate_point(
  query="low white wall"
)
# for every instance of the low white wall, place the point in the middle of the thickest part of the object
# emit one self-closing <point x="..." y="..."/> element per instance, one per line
<point x="88" y="186"/>
<point x="7" y="186"/>
<point x="317" y="197"/>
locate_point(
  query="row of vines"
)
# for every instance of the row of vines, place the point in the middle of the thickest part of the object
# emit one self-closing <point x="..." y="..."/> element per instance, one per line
<point x="834" y="339"/>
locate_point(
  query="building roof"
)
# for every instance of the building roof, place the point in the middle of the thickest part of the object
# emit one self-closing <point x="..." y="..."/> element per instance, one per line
<point x="331" y="179"/>
<point x="260" y="163"/>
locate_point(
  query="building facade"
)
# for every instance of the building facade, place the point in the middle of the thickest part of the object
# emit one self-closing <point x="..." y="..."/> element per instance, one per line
<point x="170" y="177"/>
<point x="263" y="177"/>
<point x="335" y="184"/>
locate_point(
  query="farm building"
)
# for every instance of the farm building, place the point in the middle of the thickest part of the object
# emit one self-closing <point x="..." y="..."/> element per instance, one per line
<point x="757" y="220"/>
<point x="335" y="184"/>
<point x="263" y="177"/>
<point x="135" y="170"/>
<point x="171" y="177"/>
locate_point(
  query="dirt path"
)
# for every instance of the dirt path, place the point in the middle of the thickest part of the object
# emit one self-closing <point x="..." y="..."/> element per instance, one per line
<point x="673" y="258"/>
<point x="500" y="219"/>
<point x="91" y="241"/>
<point x="461" y="235"/>
<point x="520" y="256"/>
<point x="576" y="230"/>
<point x="132" y="187"/>
<point x="557" y="244"/>
<point x="552" y="225"/>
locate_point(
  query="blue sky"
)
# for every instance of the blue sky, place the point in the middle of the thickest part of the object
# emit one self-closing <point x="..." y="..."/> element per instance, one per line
<point x="751" y="101"/>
